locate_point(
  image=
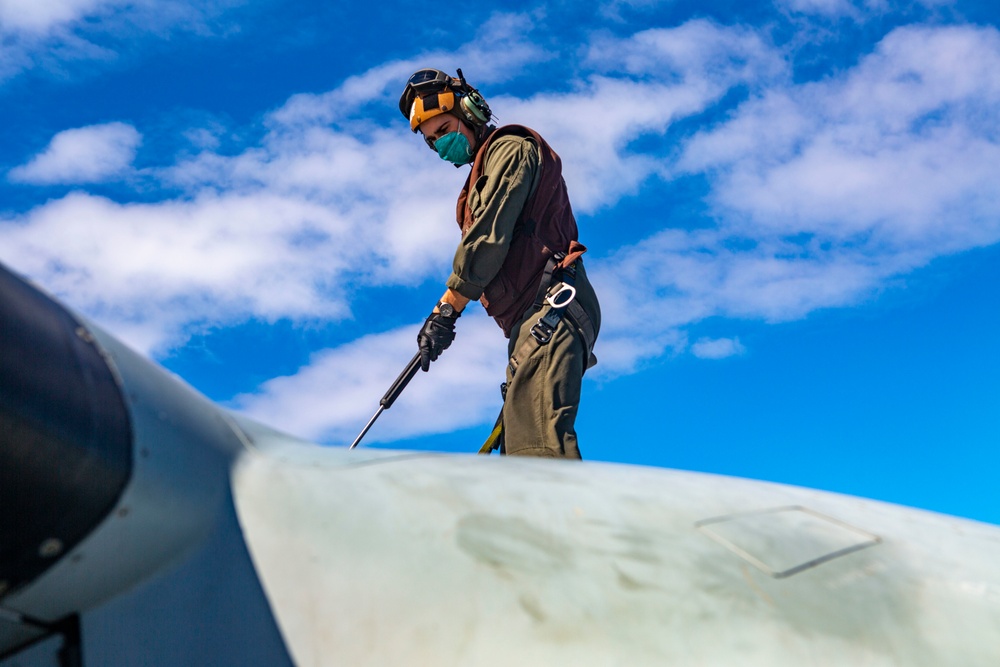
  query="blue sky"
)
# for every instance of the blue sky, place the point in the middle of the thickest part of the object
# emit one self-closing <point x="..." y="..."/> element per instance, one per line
<point x="792" y="210"/>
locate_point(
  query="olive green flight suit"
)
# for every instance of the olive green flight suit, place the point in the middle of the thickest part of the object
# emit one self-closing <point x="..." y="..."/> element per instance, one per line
<point x="543" y="395"/>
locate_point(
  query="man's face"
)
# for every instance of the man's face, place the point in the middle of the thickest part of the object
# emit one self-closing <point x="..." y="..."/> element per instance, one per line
<point x="434" y="128"/>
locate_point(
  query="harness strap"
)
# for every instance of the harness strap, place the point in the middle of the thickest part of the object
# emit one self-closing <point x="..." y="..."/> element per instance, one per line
<point x="495" y="441"/>
<point x="544" y="328"/>
<point x="546" y="281"/>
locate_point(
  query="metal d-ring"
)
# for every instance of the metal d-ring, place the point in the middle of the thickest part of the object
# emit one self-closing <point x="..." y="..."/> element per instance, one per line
<point x="557" y="300"/>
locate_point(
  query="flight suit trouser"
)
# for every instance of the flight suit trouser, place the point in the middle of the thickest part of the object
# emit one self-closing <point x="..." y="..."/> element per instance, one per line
<point x="543" y="395"/>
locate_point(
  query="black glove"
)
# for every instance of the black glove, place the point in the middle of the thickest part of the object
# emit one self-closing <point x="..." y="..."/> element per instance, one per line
<point x="435" y="337"/>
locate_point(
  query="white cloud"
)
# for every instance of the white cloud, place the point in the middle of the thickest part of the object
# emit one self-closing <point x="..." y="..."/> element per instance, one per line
<point x="292" y="227"/>
<point x="686" y="277"/>
<point x="500" y="49"/>
<point x="156" y="270"/>
<point x="824" y="192"/>
<point x="612" y="8"/>
<point x="83" y="155"/>
<point x="820" y="194"/>
<point x="820" y="7"/>
<point x="902" y="149"/>
<point x="332" y="398"/>
<point x="717" y="348"/>
<point x="856" y="10"/>
<point x="287" y="229"/>
<point x="698" y="52"/>
<point x="640" y="86"/>
<point x="55" y="16"/>
<point x="33" y="16"/>
<point x="50" y="34"/>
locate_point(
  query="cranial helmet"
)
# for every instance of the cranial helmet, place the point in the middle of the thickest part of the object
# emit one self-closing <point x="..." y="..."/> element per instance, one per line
<point x="430" y="92"/>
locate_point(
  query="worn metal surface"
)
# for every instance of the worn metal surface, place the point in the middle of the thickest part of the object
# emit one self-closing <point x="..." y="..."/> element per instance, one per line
<point x="395" y="558"/>
<point x="374" y="557"/>
<point x="784" y="541"/>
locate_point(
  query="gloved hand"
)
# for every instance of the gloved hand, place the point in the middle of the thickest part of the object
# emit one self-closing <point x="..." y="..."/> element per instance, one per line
<point x="435" y="337"/>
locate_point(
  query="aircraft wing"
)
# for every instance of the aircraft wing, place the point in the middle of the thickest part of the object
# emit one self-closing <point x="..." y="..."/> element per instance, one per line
<point x="143" y="525"/>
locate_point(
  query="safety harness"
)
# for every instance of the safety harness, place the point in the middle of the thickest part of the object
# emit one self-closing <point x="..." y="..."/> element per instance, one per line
<point x="557" y="289"/>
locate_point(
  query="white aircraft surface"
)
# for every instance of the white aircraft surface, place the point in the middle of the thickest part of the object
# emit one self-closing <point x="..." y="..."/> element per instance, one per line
<point x="143" y="525"/>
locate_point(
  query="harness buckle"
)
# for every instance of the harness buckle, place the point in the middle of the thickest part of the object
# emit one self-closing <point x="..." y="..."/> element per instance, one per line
<point x="542" y="331"/>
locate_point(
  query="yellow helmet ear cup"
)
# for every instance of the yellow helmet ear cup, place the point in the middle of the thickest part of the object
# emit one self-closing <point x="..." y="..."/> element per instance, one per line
<point x="430" y="106"/>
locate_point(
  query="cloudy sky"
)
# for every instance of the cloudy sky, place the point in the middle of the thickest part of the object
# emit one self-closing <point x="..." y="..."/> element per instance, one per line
<point x="792" y="208"/>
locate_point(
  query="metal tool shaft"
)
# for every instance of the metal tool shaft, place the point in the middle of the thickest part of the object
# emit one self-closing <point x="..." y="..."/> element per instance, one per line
<point x="391" y="395"/>
<point x="367" y="426"/>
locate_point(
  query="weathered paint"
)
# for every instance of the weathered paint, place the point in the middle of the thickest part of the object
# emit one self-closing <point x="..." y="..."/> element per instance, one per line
<point x="394" y="558"/>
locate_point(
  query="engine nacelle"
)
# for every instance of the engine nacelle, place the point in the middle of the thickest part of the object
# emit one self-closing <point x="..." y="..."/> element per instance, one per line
<point x="110" y="467"/>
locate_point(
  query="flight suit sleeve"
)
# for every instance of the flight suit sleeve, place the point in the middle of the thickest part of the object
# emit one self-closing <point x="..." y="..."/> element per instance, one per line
<point x="496" y="200"/>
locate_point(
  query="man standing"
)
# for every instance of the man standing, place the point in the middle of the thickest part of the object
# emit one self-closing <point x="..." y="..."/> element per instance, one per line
<point x="519" y="255"/>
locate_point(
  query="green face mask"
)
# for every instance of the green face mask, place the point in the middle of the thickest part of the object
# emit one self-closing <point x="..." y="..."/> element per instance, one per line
<point x="454" y="148"/>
